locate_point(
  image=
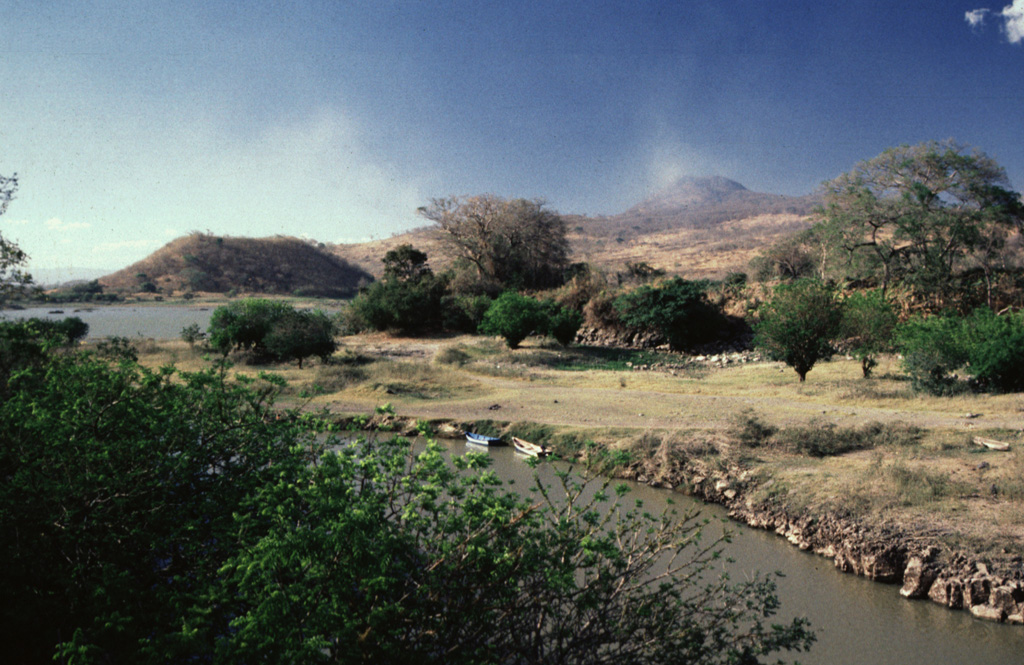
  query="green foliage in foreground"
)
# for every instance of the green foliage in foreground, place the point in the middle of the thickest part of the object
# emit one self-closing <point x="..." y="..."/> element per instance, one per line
<point x="155" y="516"/>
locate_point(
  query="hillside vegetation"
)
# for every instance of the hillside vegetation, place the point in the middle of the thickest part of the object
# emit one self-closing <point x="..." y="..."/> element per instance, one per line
<point x="277" y="265"/>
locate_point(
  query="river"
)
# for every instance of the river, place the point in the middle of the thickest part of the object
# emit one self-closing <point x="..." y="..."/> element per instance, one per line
<point x="858" y="622"/>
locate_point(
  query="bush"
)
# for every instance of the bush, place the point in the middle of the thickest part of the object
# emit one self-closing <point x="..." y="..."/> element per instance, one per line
<point x="869" y="325"/>
<point x="562" y="323"/>
<point x="408" y="301"/>
<point x="994" y="348"/>
<point x="300" y="334"/>
<point x="799" y="324"/>
<point x="464" y="313"/>
<point x="932" y="352"/>
<point x="271" y="330"/>
<point x="514" y="317"/>
<point x="678" y="310"/>
<point x="748" y="430"/>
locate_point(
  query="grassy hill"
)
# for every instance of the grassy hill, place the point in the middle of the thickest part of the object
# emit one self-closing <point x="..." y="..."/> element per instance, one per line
<point x="278" y="265"/>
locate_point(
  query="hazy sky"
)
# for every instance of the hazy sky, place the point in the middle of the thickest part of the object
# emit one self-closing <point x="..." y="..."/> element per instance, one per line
<point x="131" y="123"/>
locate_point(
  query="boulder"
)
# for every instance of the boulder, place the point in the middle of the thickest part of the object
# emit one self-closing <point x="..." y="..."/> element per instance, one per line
<point x="918" y="578"/>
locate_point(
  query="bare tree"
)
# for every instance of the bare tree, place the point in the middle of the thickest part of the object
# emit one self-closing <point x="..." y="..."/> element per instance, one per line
<point x="511" y="243"/>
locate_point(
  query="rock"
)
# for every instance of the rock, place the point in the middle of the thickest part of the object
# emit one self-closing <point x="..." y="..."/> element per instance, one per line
<point x="948" y="592"/>
<point x="977" y="591"/>
<point x="917" y="578"/>
<point x="988" y="612"/>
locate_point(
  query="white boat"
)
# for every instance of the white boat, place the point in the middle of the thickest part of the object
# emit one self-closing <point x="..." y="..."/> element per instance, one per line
<point x="531" y="449"/>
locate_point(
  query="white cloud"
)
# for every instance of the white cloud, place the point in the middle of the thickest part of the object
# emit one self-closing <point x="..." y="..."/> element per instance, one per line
<point x="1014" y="17"/>
<point x="56" y="224"/>
<point x="1013" y="20"/>
<point x="976" y="17"/>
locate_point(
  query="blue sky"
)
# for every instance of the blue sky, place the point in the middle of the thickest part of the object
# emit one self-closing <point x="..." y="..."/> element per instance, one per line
<point x="131" y="123"/>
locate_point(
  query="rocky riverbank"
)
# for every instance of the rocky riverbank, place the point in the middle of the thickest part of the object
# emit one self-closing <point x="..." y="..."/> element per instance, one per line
<point x="884" y="554"/>
<point x="923" y="569"/>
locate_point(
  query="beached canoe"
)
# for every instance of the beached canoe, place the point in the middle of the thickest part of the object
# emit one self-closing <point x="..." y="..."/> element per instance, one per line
<point x="483" y="439"/>
<point x="531" y="449"/>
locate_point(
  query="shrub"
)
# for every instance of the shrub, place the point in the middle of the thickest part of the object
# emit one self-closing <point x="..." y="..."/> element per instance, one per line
<point x="464" y="313"/>
<point x="300" y="334"/>
<point x="994" y="346"/>
<point x="513" y="317"/>
<point x="562" y="323"/>
<point x="932" y="351"/>
<point x="678" y="310"/>
<point x="869" y="324"/>
<point x="748" y="430"/>
<point x="799" y="324"/>
<point x="192" y="334"/>
<point x="271" y="331"/>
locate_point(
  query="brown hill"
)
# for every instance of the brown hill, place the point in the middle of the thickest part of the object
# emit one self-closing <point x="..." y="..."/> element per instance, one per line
<point x="280" y="265"/>
<point x="696" y="228"/>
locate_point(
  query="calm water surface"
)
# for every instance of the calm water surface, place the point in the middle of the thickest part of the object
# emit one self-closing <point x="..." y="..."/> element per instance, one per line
<point x="857" y="621"/>
<point x="158" y="322"/>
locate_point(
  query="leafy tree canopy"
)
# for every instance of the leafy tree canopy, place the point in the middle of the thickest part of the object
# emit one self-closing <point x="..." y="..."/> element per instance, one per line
<point x="13" y="279"/>
<point x="271" y="330"/>
<point x="155" y="516"/>
<point x="514" y="317"/>
<point x="918" y="215"/>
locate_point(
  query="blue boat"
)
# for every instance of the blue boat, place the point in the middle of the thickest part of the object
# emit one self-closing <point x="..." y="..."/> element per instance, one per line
<point x="483" y="439"/>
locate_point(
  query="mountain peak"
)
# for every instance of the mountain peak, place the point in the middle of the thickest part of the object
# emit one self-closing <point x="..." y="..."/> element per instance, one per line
<point x="689" y="192"/>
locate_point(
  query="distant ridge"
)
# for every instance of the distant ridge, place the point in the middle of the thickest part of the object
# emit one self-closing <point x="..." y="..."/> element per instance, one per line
<point x="276" y="265"/>
<point x="700" y="202"/>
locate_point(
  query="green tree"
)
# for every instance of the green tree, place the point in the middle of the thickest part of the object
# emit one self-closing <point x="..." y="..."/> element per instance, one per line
<point x="678" y="310"/>
<point x="244" y="324"/>
<point x="985" y="346"/>
<point x="932" y="351"/>
<point x="510" y="243"/>
<point x="562" y="323"/>
<point x="13" y="280"/>
<point x="799" y="324"/>
<point x="271" y="330"/>
<point x="995" y="349"/>
<point x="441" y="564"/>
<point x="155" y="516"/>
<point x="297" y="335"/>
<point x="917" y="215"/>
<point x="408" y="300"/>
<point x="514" y="317"/>
<point x="869" y="325"/>
<point x="405" y="263"/>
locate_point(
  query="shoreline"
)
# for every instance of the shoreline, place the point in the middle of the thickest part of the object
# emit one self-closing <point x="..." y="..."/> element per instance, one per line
<point x="921" y="568"/>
